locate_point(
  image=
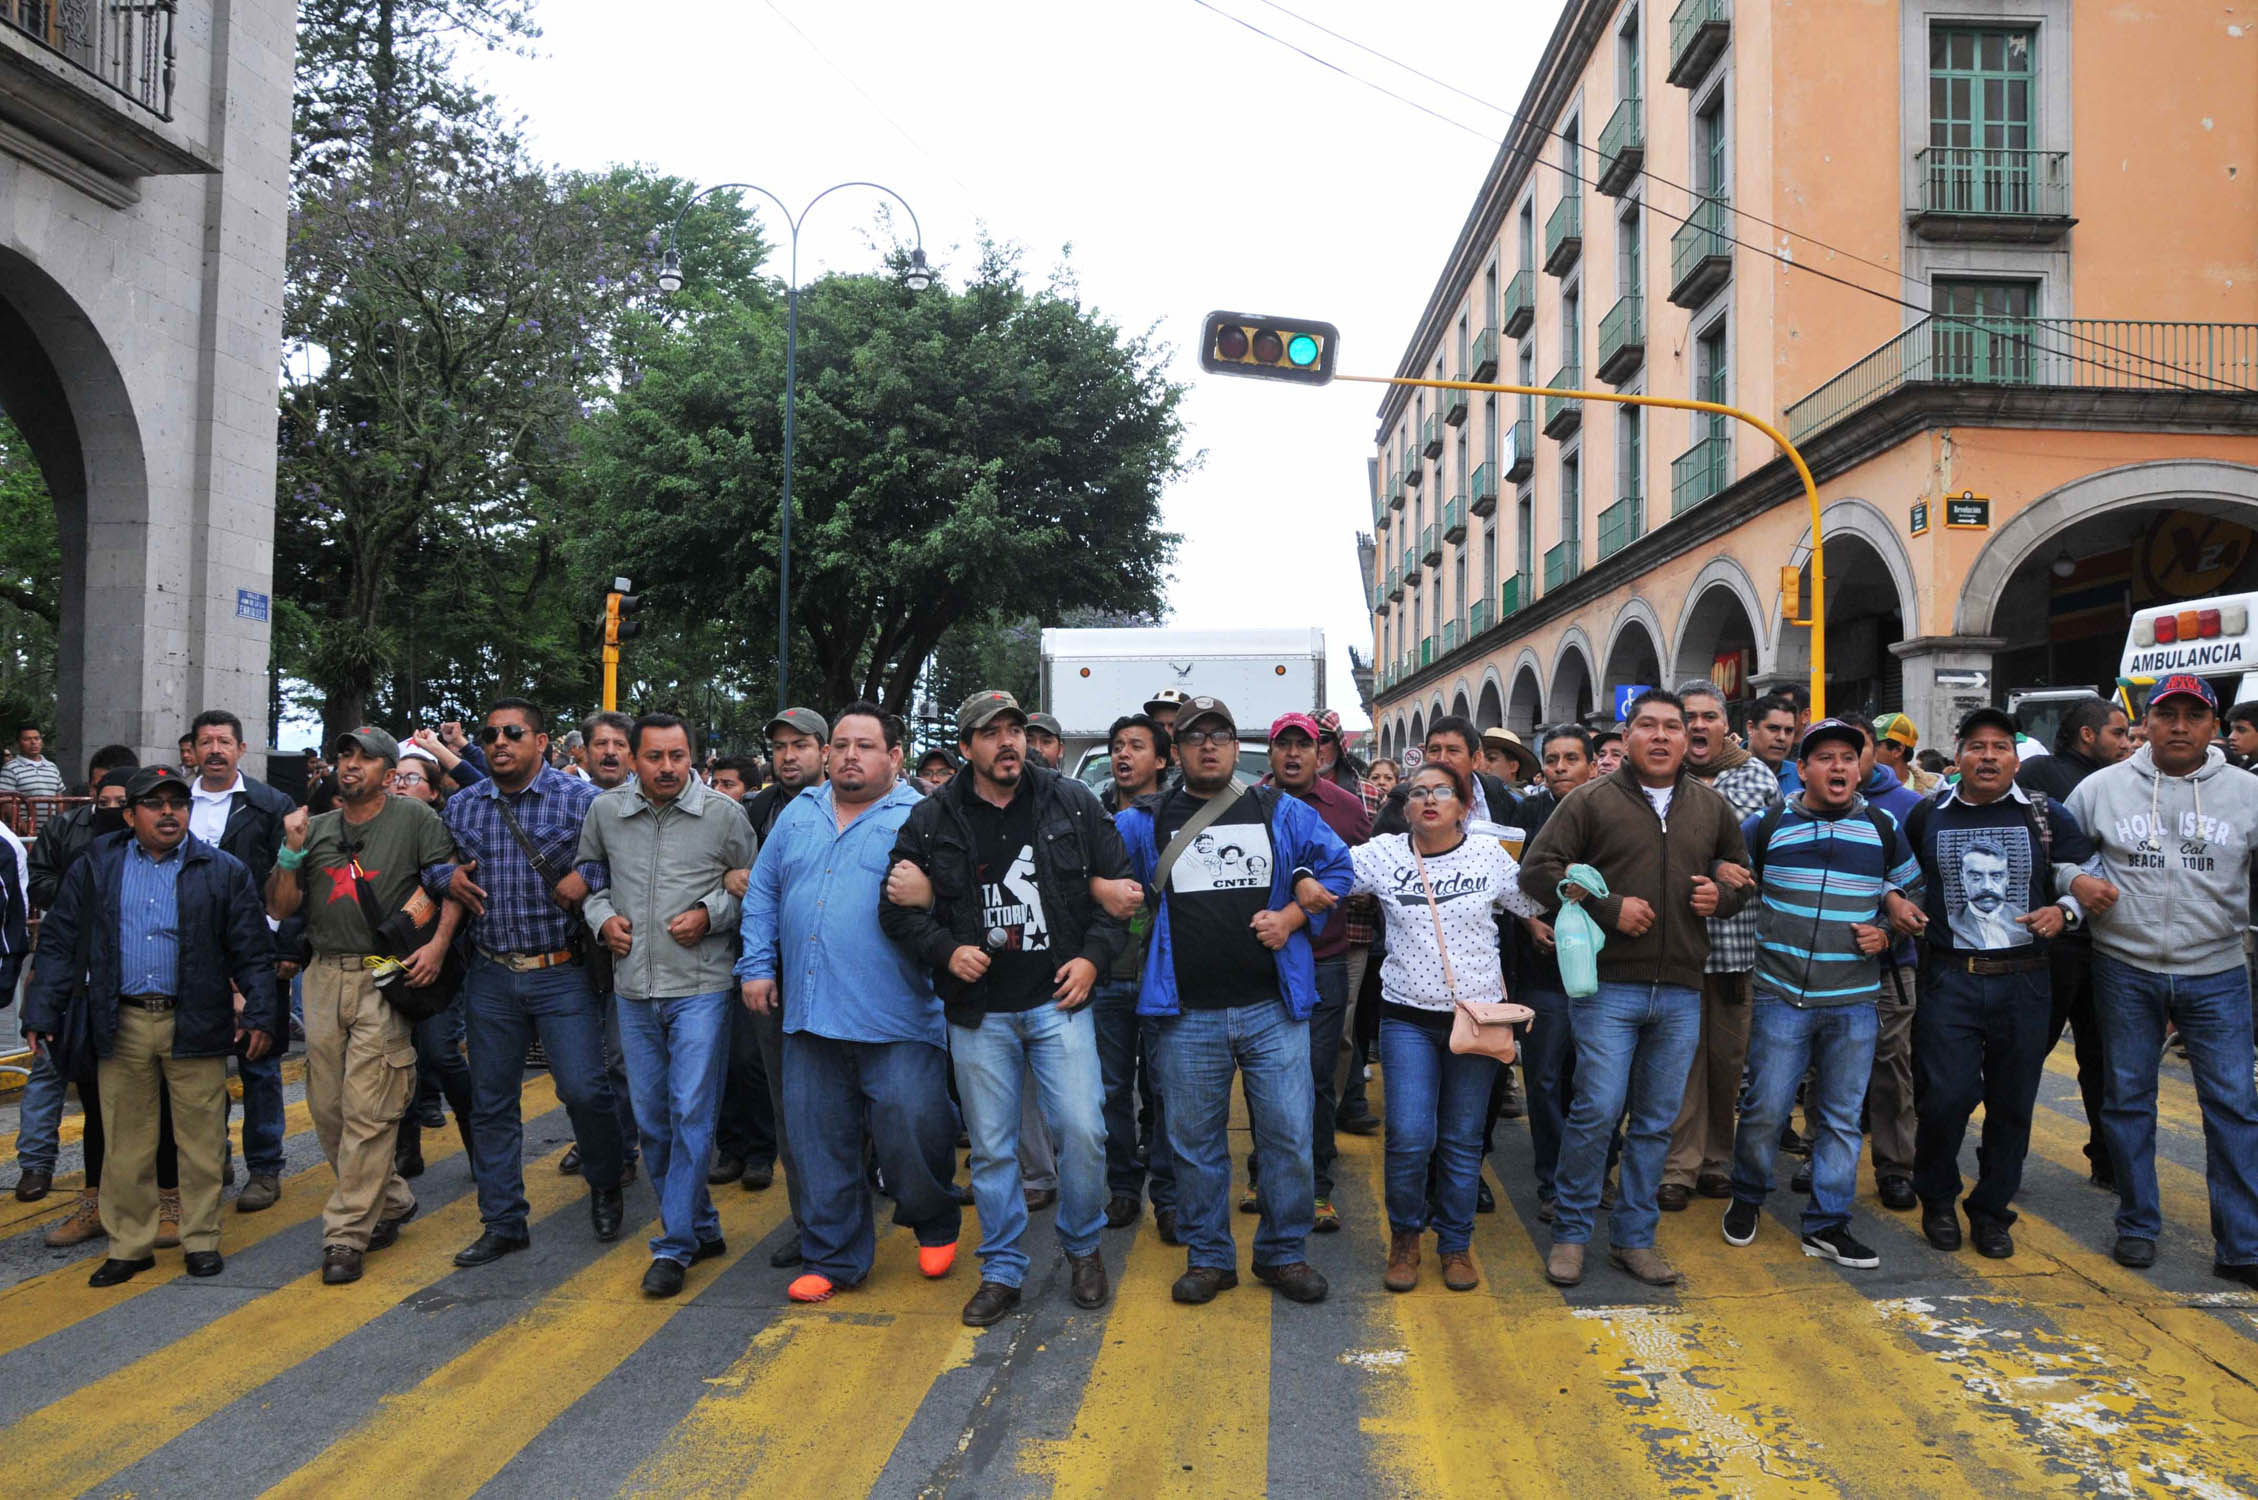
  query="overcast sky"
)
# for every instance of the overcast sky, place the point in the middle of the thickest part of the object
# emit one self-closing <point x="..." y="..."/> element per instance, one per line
<point x="1188" y="163"/>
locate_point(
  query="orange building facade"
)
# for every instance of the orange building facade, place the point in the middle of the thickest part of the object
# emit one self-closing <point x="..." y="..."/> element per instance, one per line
<point x="2033" y="408"/>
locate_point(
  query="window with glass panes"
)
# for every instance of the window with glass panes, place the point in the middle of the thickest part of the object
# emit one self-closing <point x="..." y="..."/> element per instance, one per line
<point x="1526" y="237"/>
<point x="1709" y="147"/>
<point x="1571" y="500"/>
<point x="1571" y="330"/>
<point x="1982" y="329"/>
<point x="1627" y="249"/>
<point x="1629" y="448"/>
<point x="1980" y="95"/>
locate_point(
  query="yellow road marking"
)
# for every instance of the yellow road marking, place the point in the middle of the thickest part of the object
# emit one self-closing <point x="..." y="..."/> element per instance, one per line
<point x="2176" y="1104"/>
<point x="73" y="1126"/>
<point x="818" y="1402"/>
<point x="110" y="1424"/>
<point x="2061" y="1139"/>
<point x="449" y="1436"/>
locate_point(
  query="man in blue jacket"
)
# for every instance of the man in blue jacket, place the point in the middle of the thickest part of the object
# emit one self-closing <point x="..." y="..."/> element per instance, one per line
<point x="173" y="928"/>
<point x="1231" y="977"/>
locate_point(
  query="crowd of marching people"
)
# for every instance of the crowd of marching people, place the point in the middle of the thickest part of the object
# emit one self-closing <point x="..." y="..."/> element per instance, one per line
<point x="1687" y="955"/>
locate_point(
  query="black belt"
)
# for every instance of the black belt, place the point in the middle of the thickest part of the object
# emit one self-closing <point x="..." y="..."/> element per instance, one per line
<point x="1982" y="963"/>
<point x="147" y="1002"/>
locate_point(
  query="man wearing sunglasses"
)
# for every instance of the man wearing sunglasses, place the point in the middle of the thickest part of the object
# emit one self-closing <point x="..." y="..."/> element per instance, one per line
<point x="527" y="977"/>
<point x="174" y="929"/>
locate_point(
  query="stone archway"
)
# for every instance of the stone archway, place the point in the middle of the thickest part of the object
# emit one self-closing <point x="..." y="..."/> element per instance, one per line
<point x="1489" y="709"/>
<point x="1575" y="685"/>
<point x="1525" y="703"/>
<point x="1721" y="617"/>
<point x="1459" y="704"/>
<point x="1634" y="650"/>
<point x="1872" y="603"/>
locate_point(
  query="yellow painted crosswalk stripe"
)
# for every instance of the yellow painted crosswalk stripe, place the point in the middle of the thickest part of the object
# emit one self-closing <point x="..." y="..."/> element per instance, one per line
<point x="2061" y="1139"/>
<point x="110" y="1424"/>
<point x="72" y="1129"/>
<point x="449" y="1436"/>
<point x="2176" y="1103"/>
<point x="819" y="1400"/>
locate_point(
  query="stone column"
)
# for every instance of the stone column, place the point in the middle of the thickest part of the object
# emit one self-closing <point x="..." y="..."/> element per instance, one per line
<point x="1946" y="676"/>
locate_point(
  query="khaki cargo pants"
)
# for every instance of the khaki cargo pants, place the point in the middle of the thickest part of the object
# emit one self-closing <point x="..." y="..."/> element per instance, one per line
<point x="139" y="1061"/>
<point x="360" y="1076"/>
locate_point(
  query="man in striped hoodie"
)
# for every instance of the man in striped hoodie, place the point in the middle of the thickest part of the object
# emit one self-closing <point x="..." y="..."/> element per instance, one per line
<point x="1829" y="869"/>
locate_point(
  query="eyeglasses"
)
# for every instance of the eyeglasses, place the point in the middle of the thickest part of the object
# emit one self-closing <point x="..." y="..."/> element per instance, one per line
<point x="164" y="804"/>
<point x="511" y="732"/>
<point x="1195" y="738"/>
<point x="409" y="778"/>
<point x="1431" y="793"/>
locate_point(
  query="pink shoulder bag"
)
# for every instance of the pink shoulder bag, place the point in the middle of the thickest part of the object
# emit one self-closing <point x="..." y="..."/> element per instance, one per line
<point x="1477" y="1026"/>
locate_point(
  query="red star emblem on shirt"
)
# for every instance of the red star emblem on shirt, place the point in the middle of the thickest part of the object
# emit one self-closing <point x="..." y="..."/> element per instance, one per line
<point x="341" y="883"/>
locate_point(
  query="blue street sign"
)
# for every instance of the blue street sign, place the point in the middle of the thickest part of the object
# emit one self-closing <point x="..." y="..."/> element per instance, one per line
<point x="250" y="606"/>
<point x="1623" y="696"/>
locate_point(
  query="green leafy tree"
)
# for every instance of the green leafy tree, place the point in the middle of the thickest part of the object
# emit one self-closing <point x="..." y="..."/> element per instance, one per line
<point x="962" y="455"/>
<point x="31" y="567"/>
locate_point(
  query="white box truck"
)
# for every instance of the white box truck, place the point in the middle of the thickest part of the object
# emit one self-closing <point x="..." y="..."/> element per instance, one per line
<point x="1092" y="677"/>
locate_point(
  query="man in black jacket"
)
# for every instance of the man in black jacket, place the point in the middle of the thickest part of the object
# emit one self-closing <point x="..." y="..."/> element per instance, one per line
<point x="1016" y="943"/>
<point x="173" y="928"/>
<point x="2093" y="735"/>
<point x="243" y="817"/>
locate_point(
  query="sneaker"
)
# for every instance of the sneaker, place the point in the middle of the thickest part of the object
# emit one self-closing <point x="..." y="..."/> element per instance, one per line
<point x="1740" y="1222"/>
<point x="84" y="1223"/>
<point x="1838" y="1245"/>
<point x="934" y="1261"/>
<point x="811" y="1288"/>
<point x="1328" y="1219"/>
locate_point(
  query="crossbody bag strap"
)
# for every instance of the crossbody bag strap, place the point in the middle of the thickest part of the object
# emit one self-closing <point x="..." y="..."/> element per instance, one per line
<point x="1214" y="808"/>
<point x="525" y="842"/>
<point x="1435" y="913"/>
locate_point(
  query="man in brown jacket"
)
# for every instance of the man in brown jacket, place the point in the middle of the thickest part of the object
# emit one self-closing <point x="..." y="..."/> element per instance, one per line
<point x="1670" y="850"/>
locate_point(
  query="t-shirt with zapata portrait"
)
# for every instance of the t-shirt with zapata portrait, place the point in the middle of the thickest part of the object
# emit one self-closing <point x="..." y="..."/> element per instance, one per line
<point x="1986" y="868"/>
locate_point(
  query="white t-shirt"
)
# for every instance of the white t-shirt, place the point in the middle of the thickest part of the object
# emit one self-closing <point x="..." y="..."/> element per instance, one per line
<point x="207" y="811"/>
<point x="1660" y="797"/>
<point x="1470" y="884"/>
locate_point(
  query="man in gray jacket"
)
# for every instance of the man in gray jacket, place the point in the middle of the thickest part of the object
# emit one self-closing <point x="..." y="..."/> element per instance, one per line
<point x="2176" y="826"/>
<point x="667" y="843"/>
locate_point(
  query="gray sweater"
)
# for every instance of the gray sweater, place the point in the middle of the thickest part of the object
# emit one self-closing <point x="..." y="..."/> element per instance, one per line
<point x="2178" y="850"/>
<point x="661" y="861"/>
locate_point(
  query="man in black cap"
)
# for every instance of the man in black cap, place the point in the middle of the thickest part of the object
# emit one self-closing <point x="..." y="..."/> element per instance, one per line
<point x="174" y="930"/>
<point x="1046" y="741"/>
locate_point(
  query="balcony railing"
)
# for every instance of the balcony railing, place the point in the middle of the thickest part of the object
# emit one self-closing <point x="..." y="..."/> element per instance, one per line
<point x="1485" y="489"/>
<point x="1431" y="438"/>
<point x="1454" y="408"/>
<point x="1520" y="303"/>
<point x="1430" y="546"/>
<point x="127" y="44"/>
<point x="1980" y="193"/>
<point x="1477" y="618"/>
<point x="1395" y="492"/>
<point x="1412" y="577"/>
<point x="1698" y="30"/>
<point x="1622" y="149"/>
<point x="1621" y="524"/>
<point x="1519" y="450"/>
<point x="1564" y="414"/>
<point x="1512" y="596"/>
<point x="1412" y="472"/>
<point x="1395" y="583"/>
<point x="1700" y="255"/>
<point x="1426" y="651"/>
<point x="1700" y="472"/>
<point x="1485" y="355"/>
<point x="1622" y="339"/>
<point x="1454" y="519"/>
<point x="1563" y="563"/>
<point x="2085" y="353"/>
<point x="1453" y="637"/>
<point x="1564" y="235"/>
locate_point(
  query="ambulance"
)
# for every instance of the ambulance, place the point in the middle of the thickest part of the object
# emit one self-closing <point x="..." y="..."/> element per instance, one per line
<point x="2208" y="637"/>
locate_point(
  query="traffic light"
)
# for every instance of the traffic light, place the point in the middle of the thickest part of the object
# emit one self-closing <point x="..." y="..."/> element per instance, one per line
<point x="1791" y="594"/>
<point x="618" y="602"/>
<point x="1268" y="348"/>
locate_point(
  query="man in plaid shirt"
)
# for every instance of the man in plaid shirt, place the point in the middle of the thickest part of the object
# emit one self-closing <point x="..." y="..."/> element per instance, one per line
<point x="526" y="976"/>
<point x="1701" y="1140"/>
<point x="1359" y="919"/>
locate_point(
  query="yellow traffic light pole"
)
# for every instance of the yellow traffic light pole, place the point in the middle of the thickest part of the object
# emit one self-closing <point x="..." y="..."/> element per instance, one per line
<point x="1818" y="620"/>
<point x="611" y="652"/>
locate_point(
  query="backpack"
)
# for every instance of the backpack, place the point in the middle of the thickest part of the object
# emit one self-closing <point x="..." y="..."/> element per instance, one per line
<point x="1769" y="824"/>
<point x="2035" y="821"/>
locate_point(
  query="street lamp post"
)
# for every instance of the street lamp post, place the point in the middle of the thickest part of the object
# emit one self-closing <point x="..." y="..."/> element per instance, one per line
<point x="917" y="279"/>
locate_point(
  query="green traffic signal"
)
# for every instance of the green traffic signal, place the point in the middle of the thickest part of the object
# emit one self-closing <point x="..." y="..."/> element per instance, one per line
<point x="1267" y="348"/>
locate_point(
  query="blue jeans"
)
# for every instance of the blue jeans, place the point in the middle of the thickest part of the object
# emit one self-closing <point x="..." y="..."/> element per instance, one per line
<point x="1326" y="1022"/>
<point x="1548" y="1072"/>
<point x="992" y="1062"/>
<point x="1836" y="1043"/>
<point x="676" y="1051"/>
<point x="1978" y="1039"/>
<point x="1125" y="1059"/>
<point x="505" y="1010"/>
<point x="1198" y="1052"/>
<point x="443" y="1072"/>
<point x="901" y="1089"/>
<point x="39" y="1117"/>
<point x="262" y="1113"/>
<point x="1634" y="1045"/>
<point x="1436" y="1103"/>
<point x="2212" y="1012"/>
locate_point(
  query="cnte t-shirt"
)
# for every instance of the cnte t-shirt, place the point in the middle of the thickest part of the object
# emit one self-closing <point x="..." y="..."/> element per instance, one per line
<point x="1214" y="891"/>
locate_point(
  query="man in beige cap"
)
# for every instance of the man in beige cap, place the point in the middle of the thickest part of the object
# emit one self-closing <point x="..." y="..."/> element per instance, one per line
<point x="1506" y="758"/>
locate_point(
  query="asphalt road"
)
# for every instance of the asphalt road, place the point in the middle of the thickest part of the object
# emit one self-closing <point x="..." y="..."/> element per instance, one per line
<point x="547" y="1374"/>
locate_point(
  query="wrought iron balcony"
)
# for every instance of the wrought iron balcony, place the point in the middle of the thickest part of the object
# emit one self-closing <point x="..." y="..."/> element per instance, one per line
<point x="1564" y="414"/>
<point x="1520" y="303"/>
<point x="1698" y="32"/>
<point x="1395" y="583"/>
<point x="1700" y="472"/>
<point x="1701" y="257"/>
<point x="126" y="44"/>
<point x="1519" y="450"/>
<point x="1412" y="574"/>
<point x="1431" y="438"/>
<point x="1979" y="193"/>
<point x="1621" y="524"/>
<point x="94" y="81"/>
<point x="1622" y="339"/>
<point x="1512" y="595"/>
<point x="1412" y="472"/>
<point x="1454" y="519"/>
<point x="2085" y="353"/>
<point x="1454" y="407"/>
<point x="1564" y="235"/>
<point x="1426" y="651"/>
<point x="1564" y="562"/>
<point x="1484" y="498"/>
<point x="1453" y="636"/>
<point x="1622" y="149"/>
<point x="1430" y="546"/>
<point x="1478" y="618"/>
<point x="1485" y="355"/>
<point x="1395" y="492"/>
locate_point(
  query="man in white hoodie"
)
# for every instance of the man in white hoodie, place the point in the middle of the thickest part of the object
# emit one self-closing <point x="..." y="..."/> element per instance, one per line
<point x="2176" y="827"/>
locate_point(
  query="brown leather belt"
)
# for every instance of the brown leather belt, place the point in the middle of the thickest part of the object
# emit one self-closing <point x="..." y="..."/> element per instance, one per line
<point x="159" y="1003"/>
<point x="352" y="961"/>
<point x="1979" y="963"/>
<point x="528" y="963"/>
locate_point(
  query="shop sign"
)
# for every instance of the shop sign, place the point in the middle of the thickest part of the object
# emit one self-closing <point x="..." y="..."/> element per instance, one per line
<point x="1920" y="518"/>
<point x="1967" y="511"/>
<point x="1725" y="671"/>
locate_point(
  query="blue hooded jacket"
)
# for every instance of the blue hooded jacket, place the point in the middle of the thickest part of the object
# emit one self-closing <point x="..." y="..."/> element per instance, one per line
<point x="1303" y="845"/>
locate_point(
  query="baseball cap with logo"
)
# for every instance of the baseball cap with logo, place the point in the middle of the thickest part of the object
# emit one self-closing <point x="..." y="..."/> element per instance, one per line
<point x="149" y="778"/>
<point x="1204" y="707"/>
<point x="1900" y="728"/>
<point x="1046" y="722"/>
<point x="1300" y="721"/>
<point x="806" y="720"/>
<point x="2184" y="685"/>
<point x="1823" y="730"/>
<point x="1165" y="698"/>
<point x="369" y="741"/>
<point x="982" y="707"/>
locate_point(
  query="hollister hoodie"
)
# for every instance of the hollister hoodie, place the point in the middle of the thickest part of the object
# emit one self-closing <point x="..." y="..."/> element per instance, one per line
<point x="2178" y="850"/>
